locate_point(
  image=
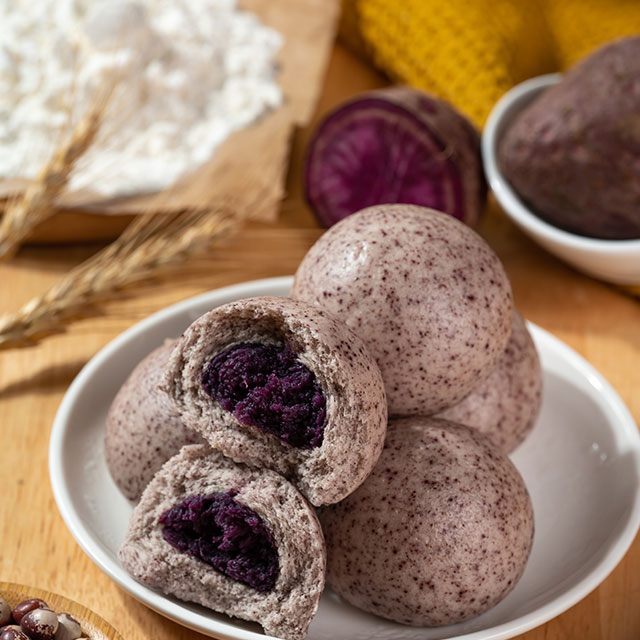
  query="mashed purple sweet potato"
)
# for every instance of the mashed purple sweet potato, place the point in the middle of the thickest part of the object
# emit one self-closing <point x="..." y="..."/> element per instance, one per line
<point x="226" y="535"/>
<point x="266" y="386"/>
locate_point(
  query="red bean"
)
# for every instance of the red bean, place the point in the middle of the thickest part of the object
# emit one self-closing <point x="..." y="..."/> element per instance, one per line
<point x="5" y="613"/>
<point x="69" y="628"/>
<point x="40" y="624"/>
<point x="12" y="632"/>
<point x="27" y="605"/>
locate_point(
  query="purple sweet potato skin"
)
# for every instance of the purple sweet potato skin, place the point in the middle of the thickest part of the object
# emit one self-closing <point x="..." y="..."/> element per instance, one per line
<point x="574" y="153"/>
<point x="395" y="145"/>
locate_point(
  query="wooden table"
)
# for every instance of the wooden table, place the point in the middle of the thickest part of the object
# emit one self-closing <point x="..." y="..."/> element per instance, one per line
<point x="37" y="549"/>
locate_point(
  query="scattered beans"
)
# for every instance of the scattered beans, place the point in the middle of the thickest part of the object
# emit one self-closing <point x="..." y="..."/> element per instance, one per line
<point x="33" y="619"/>
<point x="40" y="624"/>
<point x="27" y="605"/>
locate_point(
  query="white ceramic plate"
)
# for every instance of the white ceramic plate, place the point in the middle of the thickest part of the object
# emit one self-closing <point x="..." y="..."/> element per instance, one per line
<point x="581" y="464"/>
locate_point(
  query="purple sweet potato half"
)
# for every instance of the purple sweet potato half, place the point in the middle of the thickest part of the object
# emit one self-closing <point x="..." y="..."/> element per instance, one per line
<point x="395" y="145"/>
<point x="574" y="153"/>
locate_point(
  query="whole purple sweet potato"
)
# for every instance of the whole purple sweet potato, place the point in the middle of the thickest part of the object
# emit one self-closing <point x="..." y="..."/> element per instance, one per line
<point x="395" y="145"/>
<point x="574" y="153"/>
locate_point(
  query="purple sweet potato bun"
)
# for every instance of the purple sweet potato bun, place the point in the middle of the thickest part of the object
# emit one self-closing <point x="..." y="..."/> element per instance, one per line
<point x="438" y="533"/>
<point x="143" y="428"/>
<point x="505" y="405"/>
<point x="277" y="383"/>
<point x="395" y="145"/>
<point x="428" y="296"/>
<point x="574" y="153"/>
<point x="240" y="541"/>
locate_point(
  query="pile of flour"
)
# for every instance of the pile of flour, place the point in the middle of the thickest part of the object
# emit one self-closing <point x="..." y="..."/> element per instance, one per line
<point x="191" y="72"/>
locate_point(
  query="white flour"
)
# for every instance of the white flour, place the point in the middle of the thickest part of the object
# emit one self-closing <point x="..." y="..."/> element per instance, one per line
<point x="195" y="71"/>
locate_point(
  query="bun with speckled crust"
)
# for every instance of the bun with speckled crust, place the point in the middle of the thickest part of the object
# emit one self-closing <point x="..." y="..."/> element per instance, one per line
<point x="425" y="293"/>
<point x="143" y="428"/>
<point x="506" y="404"/>
<point x="274" y="576"/>
<point x="438" y="533"/>
<point x="277" y="383"/>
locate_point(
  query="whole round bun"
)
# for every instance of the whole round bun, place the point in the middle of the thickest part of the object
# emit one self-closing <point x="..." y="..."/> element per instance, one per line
<point x="356" y="410"/>
<point x="440" y="531"/>
<point x="505" y="405"/>
<point x="143" y="428"/>
<point x="427" y="295"/>
<point x="285" y="610"/>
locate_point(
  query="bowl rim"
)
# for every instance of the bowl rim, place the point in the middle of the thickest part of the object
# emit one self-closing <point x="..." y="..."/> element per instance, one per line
<point x="94" y="548"/>
<point x="506" y="195"/>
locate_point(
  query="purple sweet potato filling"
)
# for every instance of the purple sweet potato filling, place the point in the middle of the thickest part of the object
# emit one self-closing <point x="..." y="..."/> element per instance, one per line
<point x="266" y="386"/>
<point x="230" y="537"/>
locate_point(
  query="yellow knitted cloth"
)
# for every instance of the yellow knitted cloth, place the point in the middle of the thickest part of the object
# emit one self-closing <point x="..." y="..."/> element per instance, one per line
<point x="471" y="51"/>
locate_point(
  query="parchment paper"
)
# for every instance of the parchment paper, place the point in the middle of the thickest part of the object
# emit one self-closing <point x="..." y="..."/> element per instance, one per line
<point x="248" y="169"/>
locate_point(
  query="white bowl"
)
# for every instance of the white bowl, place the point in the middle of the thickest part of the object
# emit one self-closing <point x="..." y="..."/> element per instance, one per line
<point x="581" y="464"/>
<point x="613" y="260"/>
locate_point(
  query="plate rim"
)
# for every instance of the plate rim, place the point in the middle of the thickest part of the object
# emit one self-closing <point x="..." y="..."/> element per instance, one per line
<point x="202" y="623"/>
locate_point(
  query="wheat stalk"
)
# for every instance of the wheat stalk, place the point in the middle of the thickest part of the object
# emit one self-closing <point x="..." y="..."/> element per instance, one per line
<point x="151" y="242"/>
<point x="22" y="214"/>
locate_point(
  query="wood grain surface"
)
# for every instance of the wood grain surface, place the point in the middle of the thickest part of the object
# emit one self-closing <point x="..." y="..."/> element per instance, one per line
<point x="36" y="548"/>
